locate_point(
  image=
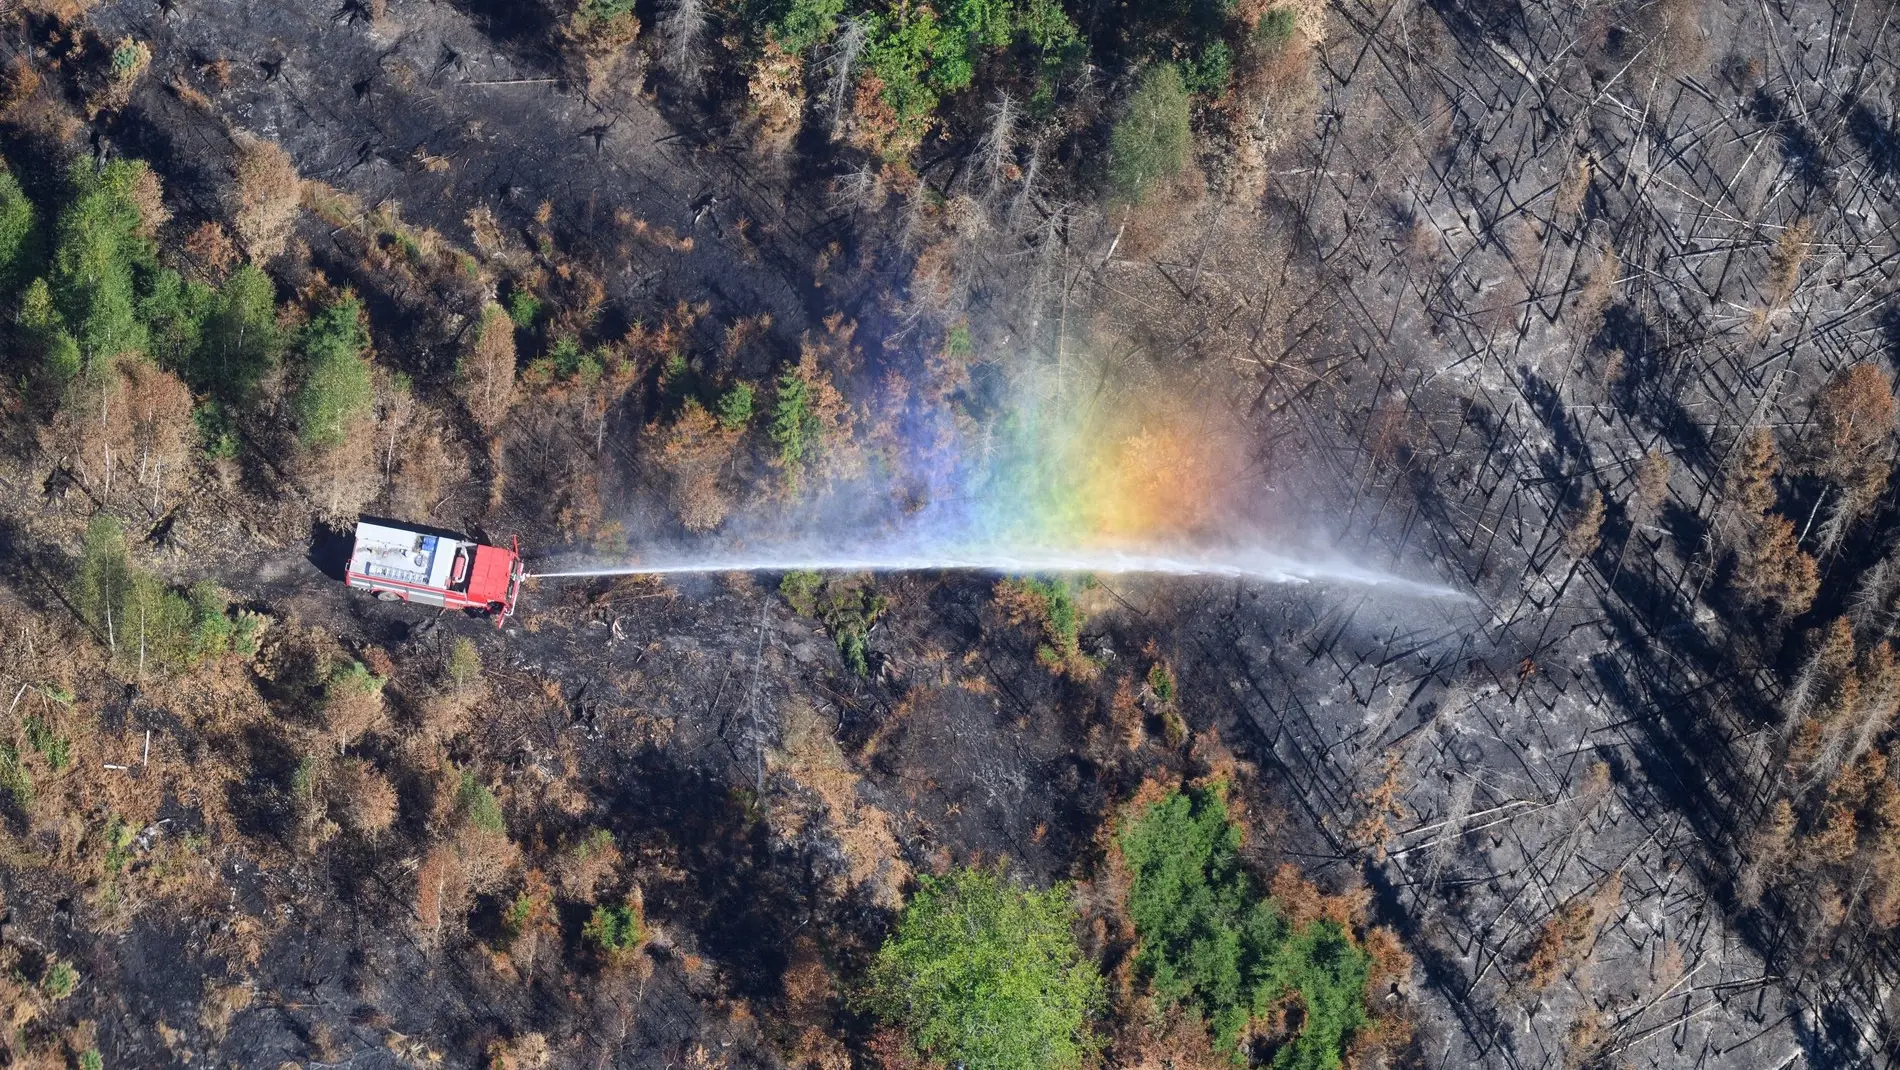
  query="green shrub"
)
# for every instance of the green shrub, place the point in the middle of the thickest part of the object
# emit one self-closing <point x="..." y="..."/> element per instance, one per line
<point x="174" y="310"/>
<point x="211" y="628"/>
<point x="604" y="11"/>
<point x="303" y="781"/>
<point x="59" y="980"/>
<point x="1209" y="940"/>
<point x="1210" y="71"/>
<point x="530" y="908"/>
<point x="478" y="804"/>
<point x="735" y="407"/>
<point x="1050" y="603"/>
<point x="1275" y="28"/>
<point x="247" y="633"/>
<point x="848" y="611"/>
<point x="45" y="338"/>
<point x="846" y="607"/>
<point x="983" y="973"/>
<point x="597" y="842"/>
<point x="90" y="1059"/>
<point x="1152" y="141"/>
<point x="336" y="386"/>
<point x="800" y="589"/>
<point x="1053" y="36"/>
<point x="956" y="342"/>
<point x="155" y="628"/>
<point x="143" y="621"/>
<point x="129" y="58"/>
<point x="523" y="307"/>
<point x="105" y="575"/>
<point x="217" y="429"/>
<point x="616" y="930"/>
<point x="1161" y="682"/>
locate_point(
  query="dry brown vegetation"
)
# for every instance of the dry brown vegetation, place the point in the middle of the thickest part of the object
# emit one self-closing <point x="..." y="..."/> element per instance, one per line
<point x="265" y="196"/>
<point x="487" y="369"/>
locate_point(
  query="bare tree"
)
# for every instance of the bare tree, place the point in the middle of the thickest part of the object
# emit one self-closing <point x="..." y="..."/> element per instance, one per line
<point x="841" y="61"/>
<point x="682" y="39"/>
<point x="859" y="190"/>
<point x="996" y="149"/>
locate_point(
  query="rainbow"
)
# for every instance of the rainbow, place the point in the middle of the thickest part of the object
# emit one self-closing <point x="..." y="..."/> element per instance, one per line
<point x="1038" y="488"/>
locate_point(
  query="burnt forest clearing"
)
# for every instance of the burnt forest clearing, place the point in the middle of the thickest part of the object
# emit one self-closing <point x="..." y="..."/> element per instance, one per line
<point x="1582" y="310"/>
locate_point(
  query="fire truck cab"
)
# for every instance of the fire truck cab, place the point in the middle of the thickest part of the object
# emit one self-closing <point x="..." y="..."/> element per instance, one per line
<point x="399" y="562"/>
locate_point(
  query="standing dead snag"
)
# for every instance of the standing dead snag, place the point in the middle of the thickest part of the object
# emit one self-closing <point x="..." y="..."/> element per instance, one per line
<point x="1784" y="270"/>
<point x="1568" y="938"/>
<point x="1772" y="571"/>
<point x="1766" y="853"/>
<point x="486" y="374"/>
<point x="695" y="454"/>
<point x="1748" y="487"/>
<point x="1652" y="485"/>
<point x="1586" y="527"/>
<point x="1851" y="444"/>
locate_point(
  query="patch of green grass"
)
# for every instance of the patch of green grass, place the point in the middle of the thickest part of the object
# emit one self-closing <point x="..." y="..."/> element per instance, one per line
<point x="56" y="749"/>
<point x="15" y="780"/>
<point x="118" y="844"/>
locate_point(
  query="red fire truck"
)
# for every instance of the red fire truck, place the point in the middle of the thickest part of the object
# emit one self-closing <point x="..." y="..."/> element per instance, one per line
<point x="400" y="562"/>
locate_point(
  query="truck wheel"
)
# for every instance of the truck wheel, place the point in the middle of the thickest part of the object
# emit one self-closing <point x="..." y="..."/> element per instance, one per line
<point x="387" y="596"/>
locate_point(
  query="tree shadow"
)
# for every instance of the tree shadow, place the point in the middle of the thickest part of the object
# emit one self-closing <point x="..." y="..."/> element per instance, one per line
<point x="1879" y="140"/>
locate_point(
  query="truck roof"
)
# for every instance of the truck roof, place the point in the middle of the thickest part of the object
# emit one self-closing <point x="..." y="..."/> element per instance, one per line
<point x="403" y="555"/>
